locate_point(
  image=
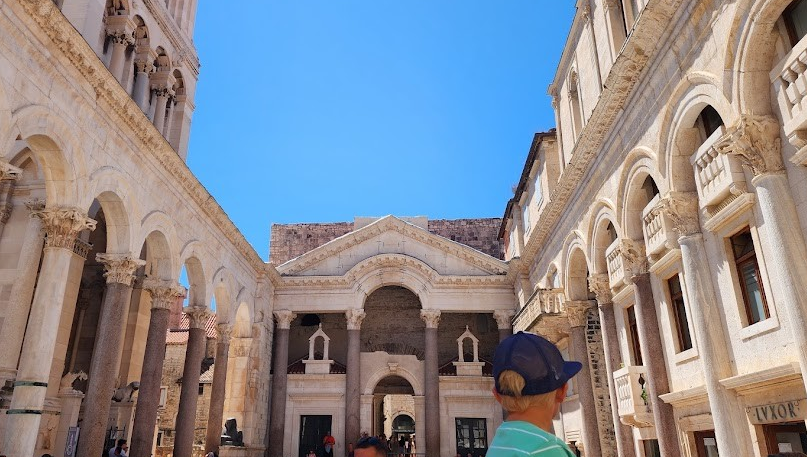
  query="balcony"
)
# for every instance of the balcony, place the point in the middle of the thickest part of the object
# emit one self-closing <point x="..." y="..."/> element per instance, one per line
<point x="633" y="406"/>
<point x="717" y="175"/>
<point x="658" y="233"/>
<point x="789" y="80"/>
<point x="542" y="302"/>
<point x="616" y="264"/>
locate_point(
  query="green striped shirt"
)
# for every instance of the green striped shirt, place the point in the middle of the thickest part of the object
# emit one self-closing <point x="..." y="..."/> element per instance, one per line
<point x="520" y="439"/>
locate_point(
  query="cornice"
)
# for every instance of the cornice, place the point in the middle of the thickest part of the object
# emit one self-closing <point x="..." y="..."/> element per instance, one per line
<point x="625" y="73"/>
<point x="391" y="223"/>
<point x="66" y="39"/>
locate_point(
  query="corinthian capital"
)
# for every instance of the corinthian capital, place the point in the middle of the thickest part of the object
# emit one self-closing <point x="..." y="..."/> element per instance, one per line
<point x="197" y="316"/>
<point x="164" y="294"/>
<point x="283" y="317"/>
<point x="633" y="256"/>
<point x="9" y="172"/>
<point x="601" y="286"/>
<point x="577" y="312"/>
<point x="62" y="225"/>
<point x="504" y="318"/>
<point x="354" y="318"/>
<point x="755" y="140"/>
<point x="225" y="331"/>
<point x="431" y="317"/>
<point x="119" y="268"/>
<point x="682" y="210"/>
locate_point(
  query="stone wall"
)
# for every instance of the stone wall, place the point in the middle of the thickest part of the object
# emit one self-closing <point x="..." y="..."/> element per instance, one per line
<point x="599" y="382"/>
<point x="293" y="240"/>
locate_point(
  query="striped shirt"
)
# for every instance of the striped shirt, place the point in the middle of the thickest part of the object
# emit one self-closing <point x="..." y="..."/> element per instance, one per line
<point x="523" y="439"/>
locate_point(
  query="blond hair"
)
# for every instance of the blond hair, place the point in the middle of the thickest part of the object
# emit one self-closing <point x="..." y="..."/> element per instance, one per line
<point x="510" y="385"/>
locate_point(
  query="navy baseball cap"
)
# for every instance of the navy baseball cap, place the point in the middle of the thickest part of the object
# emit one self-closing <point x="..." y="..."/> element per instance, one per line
<point x="537" y="360"/>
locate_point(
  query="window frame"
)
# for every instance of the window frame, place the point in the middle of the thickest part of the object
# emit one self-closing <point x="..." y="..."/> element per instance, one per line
<point x="786" y="18"/>
<point x="633" y="336"/>
<point x="681" y="347"/>
<point x="739" y="263"/>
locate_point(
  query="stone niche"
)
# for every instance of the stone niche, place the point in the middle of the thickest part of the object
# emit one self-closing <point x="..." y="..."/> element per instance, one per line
<point x="312" y="364"/>
<point x="473" y="367"/>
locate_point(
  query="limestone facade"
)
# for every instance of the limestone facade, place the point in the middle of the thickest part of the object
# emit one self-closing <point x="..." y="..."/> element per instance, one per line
<point x="669" y="203"/>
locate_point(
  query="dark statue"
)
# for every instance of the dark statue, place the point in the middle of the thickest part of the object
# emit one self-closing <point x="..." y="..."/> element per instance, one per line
<point x="230" y="435"/>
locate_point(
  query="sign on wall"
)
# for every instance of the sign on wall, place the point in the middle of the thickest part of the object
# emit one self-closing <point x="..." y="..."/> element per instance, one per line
<point x="72" y="440"/>
<point x="774" y="413"/>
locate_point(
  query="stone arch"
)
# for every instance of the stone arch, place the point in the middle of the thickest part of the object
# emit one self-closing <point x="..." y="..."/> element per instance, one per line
<point x="159" y="257"/>
<point x="679" y="137"/>
<point x="112" y="190"/>
<point x="198" y="289"/>
<point x="224" y="291"/>
<point x="599" y="238"/>
<point x="55" y="148"/>
<point x="392" y="270"/>
<point x="158" y="232"/>
<point x="117" y="8"/>
<point x="162" y="61"/>
<point x="576" y="270"/>
<point x="552" y="277"/>
<point x="642" y="163"/>
<point x="141" y="33"/>
<point x="242" y="326"/>
<point x="382" y="372"/>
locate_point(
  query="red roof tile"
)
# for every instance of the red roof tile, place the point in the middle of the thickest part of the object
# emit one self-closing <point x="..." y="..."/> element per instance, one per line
<point x="180" y="335"/>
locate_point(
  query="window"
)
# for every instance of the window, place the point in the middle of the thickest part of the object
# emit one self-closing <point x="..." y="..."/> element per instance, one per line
<point x="651" y="448"/>
<point x="472" y="436"/>
<point x="709" y="120"/>
<point x="526" y="217"/>
<point x="680" y="313"/>
<point x="795" y="17"/>
<point x="201" y="389"/>
<point x="633" y="334"/>
<point x="745" y="258"/>
<point x="163" y="396"/>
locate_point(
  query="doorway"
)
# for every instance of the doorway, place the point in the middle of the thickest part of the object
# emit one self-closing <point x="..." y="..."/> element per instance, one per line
<point x="312" y="430"/>
<point x="789" y="437"/>
<point x="706" y="444"/>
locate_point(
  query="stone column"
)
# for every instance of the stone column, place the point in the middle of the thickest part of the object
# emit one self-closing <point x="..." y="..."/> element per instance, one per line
<point x="653" y="359"/>
<point x="169" y="117"/>
<point x="62" y="226"/>
<point x="277" y="416"/>
<point x="215" y="420"/>
<point x="420" y="422"/>
<point x="577" y="312"/>
<point x="189" y="394"/>
<point x="161" y="99"/>
<point x="431" y="383"/>
<point x="352" y="389"/>
<point x="164" y="295"/>
<point x="600" y="285"/>
<point x="728" y="414"/>
<point x="21" y="292"/>
<point x="504" y="319"/>
<point x="755" y="140"/>
<point x="119" y="276"/>
<point x="117" y="64"/>
<point x="140" y="93"/>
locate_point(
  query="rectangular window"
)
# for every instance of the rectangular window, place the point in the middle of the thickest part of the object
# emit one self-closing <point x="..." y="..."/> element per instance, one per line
<point x="680" y="313"/>
<point x="163" y="396"/>
<point x="472" y="436"/>
<point x="633" y="334"/>
<point x="201" y="389"/>
<point x="651" y="448"/>
<point x="745" y="259"/>
<point x="795" y="17"/>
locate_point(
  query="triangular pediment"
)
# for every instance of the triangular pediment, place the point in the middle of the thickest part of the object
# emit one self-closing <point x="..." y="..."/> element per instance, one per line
<point x="391" y="236"/>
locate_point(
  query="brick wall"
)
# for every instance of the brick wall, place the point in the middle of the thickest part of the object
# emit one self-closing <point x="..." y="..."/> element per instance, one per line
<point x="599" y="382"/>
<point x="288" y="241"/>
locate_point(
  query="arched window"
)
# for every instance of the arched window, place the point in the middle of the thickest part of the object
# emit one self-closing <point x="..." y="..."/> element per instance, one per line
<point x="708" y="122"/>
<point x="795" y="18"/>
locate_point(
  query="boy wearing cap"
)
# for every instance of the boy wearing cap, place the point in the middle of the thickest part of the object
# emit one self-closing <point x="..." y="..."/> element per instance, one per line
<point x="530" y="378"/>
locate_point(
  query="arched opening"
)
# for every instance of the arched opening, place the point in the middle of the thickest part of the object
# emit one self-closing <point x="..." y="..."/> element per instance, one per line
<point x="577" y="276"/>
<point x="402" y="335"/>
<point x="393" y="397"/>
<point x="605" y="235"/>
<point x="641" y="191"/>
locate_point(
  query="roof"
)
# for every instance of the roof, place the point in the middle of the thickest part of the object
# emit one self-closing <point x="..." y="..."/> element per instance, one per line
<point x="180" y="335"/>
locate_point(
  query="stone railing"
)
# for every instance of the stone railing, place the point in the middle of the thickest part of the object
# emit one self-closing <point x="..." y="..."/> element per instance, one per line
<point x="633" y="405"/>
<point x="81" y="248"/>
<point x="658" y="233"/>
<point x="789" y="80"/>
<point x="616" y="267"/>
<point x="716" y="175"/>
<point x="543" y="301"/>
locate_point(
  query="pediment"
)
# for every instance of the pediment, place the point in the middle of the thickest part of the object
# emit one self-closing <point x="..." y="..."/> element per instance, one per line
<point x="390" y="237"/>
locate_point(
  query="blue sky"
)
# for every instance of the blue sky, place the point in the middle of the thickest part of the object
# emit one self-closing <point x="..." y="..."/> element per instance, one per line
<point x="319" y="111"/>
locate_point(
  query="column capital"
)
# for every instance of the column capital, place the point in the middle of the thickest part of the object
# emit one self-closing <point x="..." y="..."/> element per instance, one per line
<point x="601" y="286"/>
<point x="62" y="225"/>
<point x="164" y="294"/>
<point x="504" y="318"/>
<point x="633" y="256"/>
<point x="431" y="317"/>
<point x="354" y="318"/>
<point x="197" y="316"/>
<point x="119" y="268"/>
<point x="610" y="4"/>
<point x="755" y="141"/>
<point x="682" y="210"/>
<point x="225" y="330"/>
<point x="577" y="312"/>
<point x="585" y="12"/>
<point x="9" y="172"/>
<point x="36" y="204"/>
<point x="143" y="65"/>
<point x="283" y="317"/>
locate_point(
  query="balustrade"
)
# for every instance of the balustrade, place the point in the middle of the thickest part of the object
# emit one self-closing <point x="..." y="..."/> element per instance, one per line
<point x="658" y="233"/>
<point x="616" y="266"/>
<point x="789" y="81"/>
<point x="633" y="405"/>
<point x="717" y="175"/>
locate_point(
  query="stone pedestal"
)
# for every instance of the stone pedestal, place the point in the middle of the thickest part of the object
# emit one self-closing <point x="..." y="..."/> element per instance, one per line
<point x="119" y="274"/>
<point x="71" y="404"/>
<point x="189" y="394"/>
<point x="215" y="421"/>
<point x="431" y="383"/>
<point x="163" y="295"/>
<point x="578" y="318"/>
<point x="24" y="416"/>
<point x="277" y="414"/>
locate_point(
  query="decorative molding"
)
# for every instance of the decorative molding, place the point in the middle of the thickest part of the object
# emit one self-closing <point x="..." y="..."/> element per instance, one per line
<point x="283" y="317"/>
<point x="756" y="142"/>
<point x="354" y="318"/>
<point x="124" y="112"/>
<point x="386" y="224"/>
<point x="9" y="172"/>
<point x="197" y="316"/>
<point x="431" y="317"/>
<point x="763" y="378"/>
<point x="601" y="286"/>
<point x="577" y="312"/>
<point x="164" y="294"/>
<point x="63" y="225"/>
<point x="119" y="268"/>
<point x="634" y="260"/>
<point x="682" y="210"/>
<point x="225" y="332"/>
<point x="37" y="204"/>
<point x="730" y="209"/>
<point x="504" y="318"/>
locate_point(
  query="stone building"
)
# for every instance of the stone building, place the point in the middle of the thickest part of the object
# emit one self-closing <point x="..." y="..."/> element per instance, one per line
<point x="658" y="232"/>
